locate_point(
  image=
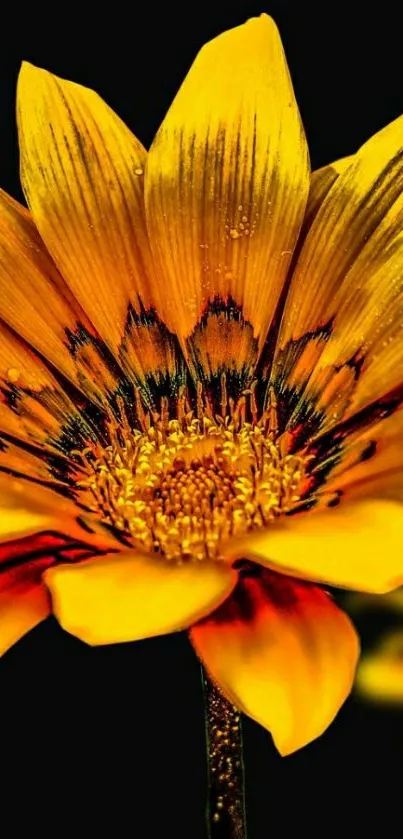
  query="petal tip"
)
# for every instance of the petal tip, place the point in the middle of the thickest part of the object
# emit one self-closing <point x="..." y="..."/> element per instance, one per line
<point x="30" y="82"/>
<point x="29" y="71"/>
<point x="250" y="33"/>
<point x="264" y="20"/>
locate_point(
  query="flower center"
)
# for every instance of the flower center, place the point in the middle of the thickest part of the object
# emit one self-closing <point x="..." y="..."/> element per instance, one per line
<point x="179" y="487"/>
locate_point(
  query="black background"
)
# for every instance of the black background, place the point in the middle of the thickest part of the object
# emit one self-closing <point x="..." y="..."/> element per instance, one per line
<point x="110" y="741"/>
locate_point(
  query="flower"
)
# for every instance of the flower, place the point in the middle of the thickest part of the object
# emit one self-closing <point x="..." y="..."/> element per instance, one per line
<point x="201" y="380"/>
<point x="380" y="672"/>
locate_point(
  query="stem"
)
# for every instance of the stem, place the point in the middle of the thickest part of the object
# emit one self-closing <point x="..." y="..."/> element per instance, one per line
<point x="226" y="817"/>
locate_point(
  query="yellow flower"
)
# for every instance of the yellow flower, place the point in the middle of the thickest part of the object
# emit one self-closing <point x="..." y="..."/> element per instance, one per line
<point x="380" y="671"/>
<point x="200" y="357"/>
<point x="380" y="674"/>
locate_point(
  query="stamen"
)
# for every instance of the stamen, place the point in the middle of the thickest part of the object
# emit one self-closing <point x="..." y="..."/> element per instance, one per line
<point x="179" y="487"/>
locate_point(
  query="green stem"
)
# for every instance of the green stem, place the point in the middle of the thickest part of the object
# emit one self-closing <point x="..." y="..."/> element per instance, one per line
<point x="226" y="817"/>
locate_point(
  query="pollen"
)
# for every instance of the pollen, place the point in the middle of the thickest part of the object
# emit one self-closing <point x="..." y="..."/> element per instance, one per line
<point x="181" y="486"/>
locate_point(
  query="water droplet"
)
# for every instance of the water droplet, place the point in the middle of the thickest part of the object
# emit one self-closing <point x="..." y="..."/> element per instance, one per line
<point x="13" y="375"/>
<point x="234" y="233"/>
<point x="139" y="171"/>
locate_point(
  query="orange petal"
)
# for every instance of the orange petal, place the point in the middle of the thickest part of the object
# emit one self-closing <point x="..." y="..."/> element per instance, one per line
<point x="33" y="405"/>
<point x="35" y="409"/>
<point x="24" y="509"/>
<point x="126" y="597"/>
<point x="24" y="600"/>
<point x="304" y="357"/>
<point x="82" y="173"/>
<point x="60" y="331"/>
<point x="37" y="529"/>
<point x="28" y="277"/>
<point x="19" y="462"/>
<point x="346" y="292"/>
<point x="321" y="183"/>
<point x="366" y="457"/>
<point x="27" y="508"/>
<point x="356" y="546"/>
<point x="226" y="187"/>
<point x="283" y="653"/>
<point x="380" y="674"/>
<point x="21" y="608"/>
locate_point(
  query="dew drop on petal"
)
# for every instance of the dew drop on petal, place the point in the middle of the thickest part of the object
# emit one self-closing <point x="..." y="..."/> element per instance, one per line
<point x="13" y="375"/>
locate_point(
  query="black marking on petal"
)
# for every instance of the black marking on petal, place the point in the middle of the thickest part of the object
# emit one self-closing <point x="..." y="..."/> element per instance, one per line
<point x="369" y="451"/>
<point x="222" y="306"/>
<point x="247" y="568"/>
<point x="335" y="500"/>
<point x="302" y="506"/>
<point x="327" y="450"/>
<point x="75" y="432"/>
<point x="161" y="356"/>
<point x="161" y="365"/>
<point x="80" y="338"/>
<point x="37" y="451"/>
<point x="377" y="410"/>
<point x="280" y="589"/>
<point x="290" y="397"/>
<point x="220" y="329"/>
<point x="300" y="411"/>
<point x="292" y="352"/>
<point x="61" y="490"/>
<point x="354" y="363"/>
<point x="11" y="395"/>
<point x="49" y="544"/>
<point x="84" y="524"/>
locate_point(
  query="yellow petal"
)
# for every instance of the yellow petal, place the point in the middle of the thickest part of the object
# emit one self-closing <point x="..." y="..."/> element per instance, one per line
<point x="380" y="674"/>
<point x="24" y="600"/>
<point x="346" y="292"/>
<point x="354" y="546"/>
<point x="19" y="462"/>
<point x="321" y="183"/>
<point x="304" y="357"/>
<point x="35" y="409"/>
<point x="28" y="278"/>
<point x="283" y="653"/>
<point x="82" y="172"/>
<point x="24" y="555"/>
<point x="126" y="597"/>
<point x="59" y="330"/>
<point x="27" y="508"/>
<point x="33" y="405"/>
<point x="37" y="526"/>
<point x="226" y="187"/>
<point x="368" y="456"/>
